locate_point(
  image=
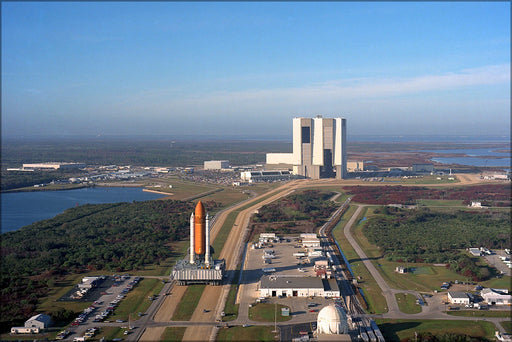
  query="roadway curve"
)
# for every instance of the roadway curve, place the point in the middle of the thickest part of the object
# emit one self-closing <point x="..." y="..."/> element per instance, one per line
<point x="432" y="311"/>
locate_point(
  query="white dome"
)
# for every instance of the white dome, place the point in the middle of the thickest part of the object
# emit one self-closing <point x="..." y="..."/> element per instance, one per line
<point x="332" y="320"/>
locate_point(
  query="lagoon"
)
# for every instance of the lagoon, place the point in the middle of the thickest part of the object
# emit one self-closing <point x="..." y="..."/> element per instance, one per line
<point x="475" y="157"/>
<point x="20" y="209"/>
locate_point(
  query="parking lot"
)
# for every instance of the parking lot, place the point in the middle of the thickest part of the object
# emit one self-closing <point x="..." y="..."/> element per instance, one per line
<point x="494" y="260"/>
<point x="107" y="300"/>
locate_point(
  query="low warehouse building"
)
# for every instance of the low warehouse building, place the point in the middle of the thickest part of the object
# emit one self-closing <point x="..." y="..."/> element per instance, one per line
<point x="496" y="297"/>
<point x="289" y="286"/>
<point x="457" y="297"/>
<point x="33" y="325"/>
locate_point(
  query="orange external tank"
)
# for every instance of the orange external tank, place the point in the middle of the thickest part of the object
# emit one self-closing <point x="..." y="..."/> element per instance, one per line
<point x="199" y="229"/>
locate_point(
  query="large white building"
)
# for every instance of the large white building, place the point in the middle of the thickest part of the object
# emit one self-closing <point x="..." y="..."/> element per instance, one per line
<point x="496" y="296"/>
<point x="54" y="166"/>
<point x="319" y="148"/>
<point x="290" y="286"/>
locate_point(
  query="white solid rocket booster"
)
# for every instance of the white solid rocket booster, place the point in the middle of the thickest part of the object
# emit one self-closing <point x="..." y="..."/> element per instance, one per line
<point x="207" y="241"/>
<point x="192" y="255"/>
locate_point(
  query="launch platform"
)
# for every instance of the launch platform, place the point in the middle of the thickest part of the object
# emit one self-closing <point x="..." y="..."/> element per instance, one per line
<point x="199" y="267"/>
<point x="186" y="274"/>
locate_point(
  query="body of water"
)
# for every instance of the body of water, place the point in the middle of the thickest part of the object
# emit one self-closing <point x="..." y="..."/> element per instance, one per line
<point x="475" y="157"/>
<point x="20" y="209"/>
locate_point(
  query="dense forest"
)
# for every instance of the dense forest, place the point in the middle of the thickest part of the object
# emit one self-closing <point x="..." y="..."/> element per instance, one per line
<point x="311" y="205"/>
<point x="112" y="237"/>
<point x="20" y="179"/>
<point x="434" y="237"/>
<point x="489" y="194"/>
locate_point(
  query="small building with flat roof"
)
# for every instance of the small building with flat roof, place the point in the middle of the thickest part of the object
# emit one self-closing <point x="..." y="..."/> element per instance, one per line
<point x="458" y="297"/>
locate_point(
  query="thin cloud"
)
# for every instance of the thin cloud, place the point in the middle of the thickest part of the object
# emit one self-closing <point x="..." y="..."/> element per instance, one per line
<point x="356" y="88"/>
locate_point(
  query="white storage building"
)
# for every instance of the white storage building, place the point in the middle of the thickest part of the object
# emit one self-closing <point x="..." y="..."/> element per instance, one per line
<point x="289" y="286"/>
<point x="496" y="297"/>
<point x="458" y="297"/>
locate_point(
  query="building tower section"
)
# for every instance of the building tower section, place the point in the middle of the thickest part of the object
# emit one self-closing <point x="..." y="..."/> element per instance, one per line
<point x="319" y="148"/>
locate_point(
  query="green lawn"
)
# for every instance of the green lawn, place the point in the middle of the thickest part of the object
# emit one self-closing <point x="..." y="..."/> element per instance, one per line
<point x="480" y="313"/>
<point x="223" y="233"/>
<point x="504" y="282"/>
<point x="137" y="299"/>
<point x="398" y="330"/>
<point x="188" y="303"/>
<point x="109" y="333"/>
<point x="265" y="312"/>
<point x="507" y="326"/>
<point x="407" y="303"/>
<point x="440" y="203"/>
<point x="252" y="333"/>
<point x="173" y="334"/>
<point x="231" y="309"/>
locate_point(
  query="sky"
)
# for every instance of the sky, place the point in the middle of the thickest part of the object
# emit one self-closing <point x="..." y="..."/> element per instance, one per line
<point x="245" y="69"/>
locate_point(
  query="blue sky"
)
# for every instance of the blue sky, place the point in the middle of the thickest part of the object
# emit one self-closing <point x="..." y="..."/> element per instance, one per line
<point x="247" y="68"/>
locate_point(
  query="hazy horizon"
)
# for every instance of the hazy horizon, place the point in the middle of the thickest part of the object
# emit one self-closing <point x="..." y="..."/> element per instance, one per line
<point x="245" y="69"/>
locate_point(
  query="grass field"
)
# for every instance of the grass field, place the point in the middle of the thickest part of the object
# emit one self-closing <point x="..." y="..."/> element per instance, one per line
<point x="507" y="326"/>
<point x="173" y="334"/>
<point x="137" y="299"/>
<point x="252" y="333"/>
<point x="407" y="303"/>
<point x="223" y="233"/>
<point x="188" y="303"/>
<point x="231" y="309"/>
<point x="426" y="180"/>
<point x="373" y="295"/>
<point x="440" y="203"/>
<point x="397" y="330"/>
<point x="480" y="313"/>
<point x="264" y="312"/>
<point x="109" y="333"/>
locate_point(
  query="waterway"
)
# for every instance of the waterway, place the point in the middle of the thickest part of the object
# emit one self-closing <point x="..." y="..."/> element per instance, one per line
<point x="475" y="157"/>
<point x="20" y="209"/>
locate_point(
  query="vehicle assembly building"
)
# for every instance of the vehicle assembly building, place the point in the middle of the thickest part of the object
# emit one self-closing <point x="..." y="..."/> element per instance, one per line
<point x="199" y="267"/>
<point x="319" y="148"/>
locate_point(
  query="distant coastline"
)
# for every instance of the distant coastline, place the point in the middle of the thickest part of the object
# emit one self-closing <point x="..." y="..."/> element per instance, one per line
<point x="158" y="192"/>
<point x="281" y="137"/>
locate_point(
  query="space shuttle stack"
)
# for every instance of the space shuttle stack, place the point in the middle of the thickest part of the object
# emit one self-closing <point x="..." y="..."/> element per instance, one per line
<point x="199" y="234"/>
